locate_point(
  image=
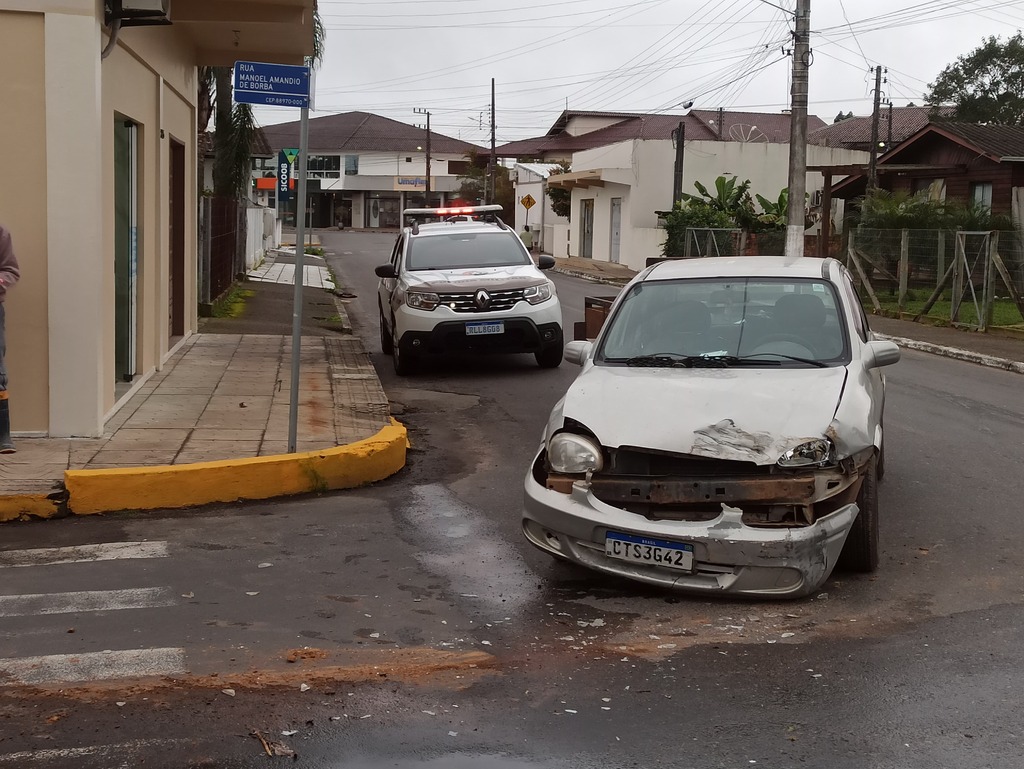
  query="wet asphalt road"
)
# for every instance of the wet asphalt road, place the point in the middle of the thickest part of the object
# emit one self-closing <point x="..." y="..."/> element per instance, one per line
<point x="430" y="635"/>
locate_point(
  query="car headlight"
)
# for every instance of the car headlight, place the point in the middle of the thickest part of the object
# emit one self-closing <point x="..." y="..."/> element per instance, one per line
<point x="817" y="453"/>
<point x="422" y="300"/>
<point x="537" y="294"/>
<point x="572" y="453"/>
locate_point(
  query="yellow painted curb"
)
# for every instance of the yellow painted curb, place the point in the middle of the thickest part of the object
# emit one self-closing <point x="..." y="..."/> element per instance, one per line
<point x="163" y="486"/>
<point x="23" y="506"/>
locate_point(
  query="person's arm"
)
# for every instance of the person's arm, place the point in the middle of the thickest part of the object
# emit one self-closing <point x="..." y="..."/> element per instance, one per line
<point x="9" y="271"/>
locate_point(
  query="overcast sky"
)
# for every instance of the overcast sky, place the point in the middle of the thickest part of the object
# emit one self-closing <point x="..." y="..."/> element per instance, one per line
<point x="390" y="57"/>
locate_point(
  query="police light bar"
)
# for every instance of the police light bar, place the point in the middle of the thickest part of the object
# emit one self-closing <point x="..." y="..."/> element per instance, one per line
<point x="453" y="211"/>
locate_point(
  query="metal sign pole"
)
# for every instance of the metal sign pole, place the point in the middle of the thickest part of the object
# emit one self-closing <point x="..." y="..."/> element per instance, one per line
<point x="300" y="250"/>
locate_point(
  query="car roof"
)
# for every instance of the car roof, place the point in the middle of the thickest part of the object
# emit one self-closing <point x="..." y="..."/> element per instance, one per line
<point x="739" y="267"/>
<point x="462" y="225"/>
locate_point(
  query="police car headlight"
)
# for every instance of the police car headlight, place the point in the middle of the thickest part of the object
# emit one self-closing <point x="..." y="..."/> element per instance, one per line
<point x="422" y="300"/>
<point x="537" y="294"/>
<point x="576" y="454"/>
<point x="816" y="453"/>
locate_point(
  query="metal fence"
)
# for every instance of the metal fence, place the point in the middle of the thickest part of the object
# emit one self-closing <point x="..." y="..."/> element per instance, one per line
<point x="970" y="279"/>
<point x="222" y="238"/>
<point x="700" y="242"/>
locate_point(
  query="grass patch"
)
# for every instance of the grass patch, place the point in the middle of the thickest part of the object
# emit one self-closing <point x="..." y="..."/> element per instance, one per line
<point x="1004" y="311"/>
<point x="232" y="304"/>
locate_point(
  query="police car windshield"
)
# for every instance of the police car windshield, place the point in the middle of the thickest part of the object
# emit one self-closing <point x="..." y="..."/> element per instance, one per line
<point x="450" y="251"/>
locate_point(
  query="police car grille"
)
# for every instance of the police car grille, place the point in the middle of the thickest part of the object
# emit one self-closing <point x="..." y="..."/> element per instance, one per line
<point x="466" y="302"/>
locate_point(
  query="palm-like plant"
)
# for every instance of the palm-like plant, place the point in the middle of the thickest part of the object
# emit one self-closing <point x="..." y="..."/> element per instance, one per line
<point x="730" y="197"/>
<point x="235" y="127"/>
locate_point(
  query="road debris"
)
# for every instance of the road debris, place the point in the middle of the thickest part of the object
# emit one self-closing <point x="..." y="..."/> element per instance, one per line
<point x="264" y="565"/>
<point x="272" y="748"/>
<point x="229" y="692"/>
<point x="304" y="687"/>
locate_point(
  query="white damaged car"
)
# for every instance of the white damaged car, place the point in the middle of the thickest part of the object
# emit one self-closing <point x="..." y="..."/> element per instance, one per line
<point x="724" y="434"/>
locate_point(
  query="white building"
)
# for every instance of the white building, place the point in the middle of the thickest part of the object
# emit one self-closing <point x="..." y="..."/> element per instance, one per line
<point x="363" y="169"/>
<point x="624" y="168"/>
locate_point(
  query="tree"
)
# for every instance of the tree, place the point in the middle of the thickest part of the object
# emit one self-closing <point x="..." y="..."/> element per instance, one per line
<point x="986" y="85"/>
<point x="474" y="181"/>
<point x="560" y="197"/>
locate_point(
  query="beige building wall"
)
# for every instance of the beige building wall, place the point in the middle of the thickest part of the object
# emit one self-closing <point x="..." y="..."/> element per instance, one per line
<point x="23" y="212"/>
<point x="61" y="102"/>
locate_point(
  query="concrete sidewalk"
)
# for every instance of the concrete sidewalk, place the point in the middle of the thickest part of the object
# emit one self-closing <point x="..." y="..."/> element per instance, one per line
<point x="212" y="424"/>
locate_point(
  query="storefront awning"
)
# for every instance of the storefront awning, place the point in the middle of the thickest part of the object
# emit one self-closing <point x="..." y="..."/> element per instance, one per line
<point x="226" y="31"/>
<point x="576" y="179"/>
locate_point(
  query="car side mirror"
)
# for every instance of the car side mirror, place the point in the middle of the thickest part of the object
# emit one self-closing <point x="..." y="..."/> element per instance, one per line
<point x="545" y="262"/>
<point x="578" y="351"/>
<point x="881" y="353"/>
<point x="385" y="271"/>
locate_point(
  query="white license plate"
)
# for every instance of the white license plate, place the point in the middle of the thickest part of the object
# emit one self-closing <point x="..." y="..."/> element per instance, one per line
<point x="485" y="327"/>
<point x="629" y="547"/>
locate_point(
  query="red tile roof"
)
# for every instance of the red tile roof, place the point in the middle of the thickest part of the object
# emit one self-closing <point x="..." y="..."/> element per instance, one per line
<point x="700" y="125"/>
<point x="855" y="132"/>
<point x="363" y="132"/>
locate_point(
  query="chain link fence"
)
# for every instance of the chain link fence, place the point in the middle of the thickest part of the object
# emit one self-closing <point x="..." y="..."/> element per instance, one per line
<point x="970" y="279"/>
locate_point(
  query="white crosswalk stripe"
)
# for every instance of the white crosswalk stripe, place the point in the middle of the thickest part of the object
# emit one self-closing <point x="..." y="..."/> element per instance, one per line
<point x="75" y="666"/>
<point x="92" y="666"/>
<point x="105" y="551"/>
<point x="86" y="600"/>
<point x="120" y="754"/>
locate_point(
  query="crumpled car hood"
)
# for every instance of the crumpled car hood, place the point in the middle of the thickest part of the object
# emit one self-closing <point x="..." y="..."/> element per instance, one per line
<point x="751" y="415"/>
<point x="472" y="278"/>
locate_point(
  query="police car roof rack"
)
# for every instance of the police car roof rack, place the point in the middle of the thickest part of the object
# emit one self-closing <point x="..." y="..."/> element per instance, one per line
<point x="453" y="213"/>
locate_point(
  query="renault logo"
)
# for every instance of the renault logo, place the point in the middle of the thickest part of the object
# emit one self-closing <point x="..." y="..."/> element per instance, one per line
<point x="482" y="299"/>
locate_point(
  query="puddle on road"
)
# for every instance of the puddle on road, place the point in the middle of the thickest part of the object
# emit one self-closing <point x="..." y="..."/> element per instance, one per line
<point x="459" y="543"/>
<point x="450" y="761"/>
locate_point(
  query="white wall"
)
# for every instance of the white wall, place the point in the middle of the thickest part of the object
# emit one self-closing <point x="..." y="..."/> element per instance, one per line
<point x="641" y="173"/>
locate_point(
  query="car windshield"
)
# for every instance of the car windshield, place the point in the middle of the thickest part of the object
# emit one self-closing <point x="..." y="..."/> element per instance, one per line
<point x="736" y="321"/>
<point x="458" y="250"/>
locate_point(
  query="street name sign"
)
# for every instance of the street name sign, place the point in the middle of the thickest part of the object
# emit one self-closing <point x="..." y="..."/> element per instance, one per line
<point x="276" y="85"/>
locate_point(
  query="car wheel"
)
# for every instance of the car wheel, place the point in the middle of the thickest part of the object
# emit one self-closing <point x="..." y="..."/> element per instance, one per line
<point x="550" y="356"/>
<point x="404" y="362"/>
<point x="860" y="553"/>
<point x="386" y="344"/>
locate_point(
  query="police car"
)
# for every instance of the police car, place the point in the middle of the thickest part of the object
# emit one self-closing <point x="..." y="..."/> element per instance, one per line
<point x="461" y="281"/>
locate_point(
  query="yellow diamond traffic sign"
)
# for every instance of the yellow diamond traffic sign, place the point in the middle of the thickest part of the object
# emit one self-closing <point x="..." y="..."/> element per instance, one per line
<point x="527" y="201"/>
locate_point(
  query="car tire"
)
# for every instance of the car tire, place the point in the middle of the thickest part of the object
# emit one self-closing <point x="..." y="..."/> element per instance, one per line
<point x="860" y="553"/>
<point x="550" y="356"/>
<point x="404" y="362"/>
<point x="386" y="343"/>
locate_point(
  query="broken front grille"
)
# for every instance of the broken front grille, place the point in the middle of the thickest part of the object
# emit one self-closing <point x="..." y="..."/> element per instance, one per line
<point x="684" y="487"/>
<point x="497" y="301"/>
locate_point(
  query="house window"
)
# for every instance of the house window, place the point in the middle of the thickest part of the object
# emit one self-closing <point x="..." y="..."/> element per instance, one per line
<point x="323" y="166"/>
<point x="981" y="193"/>
<point x="351" y="165"/>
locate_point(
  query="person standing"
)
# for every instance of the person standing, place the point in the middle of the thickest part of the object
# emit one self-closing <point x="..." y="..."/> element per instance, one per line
<point x="9" y="274"/>
<point x="527" y="238"/>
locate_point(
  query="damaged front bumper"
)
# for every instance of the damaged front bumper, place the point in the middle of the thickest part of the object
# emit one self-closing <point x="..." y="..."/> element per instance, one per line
<point x="729" y="556"/>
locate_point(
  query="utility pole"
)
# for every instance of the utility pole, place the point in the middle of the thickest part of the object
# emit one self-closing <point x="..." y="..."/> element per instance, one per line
<point x="798" y="131"/>
<point x="875" y="116"/>
<point x="426" y="196"/>
<point x="491" y="164"/>
<point x="677" y="179"/>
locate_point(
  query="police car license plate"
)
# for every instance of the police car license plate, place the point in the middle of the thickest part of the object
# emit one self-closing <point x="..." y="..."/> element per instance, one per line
<point x="629" y="547"/>
<point x="485" y="327"/>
